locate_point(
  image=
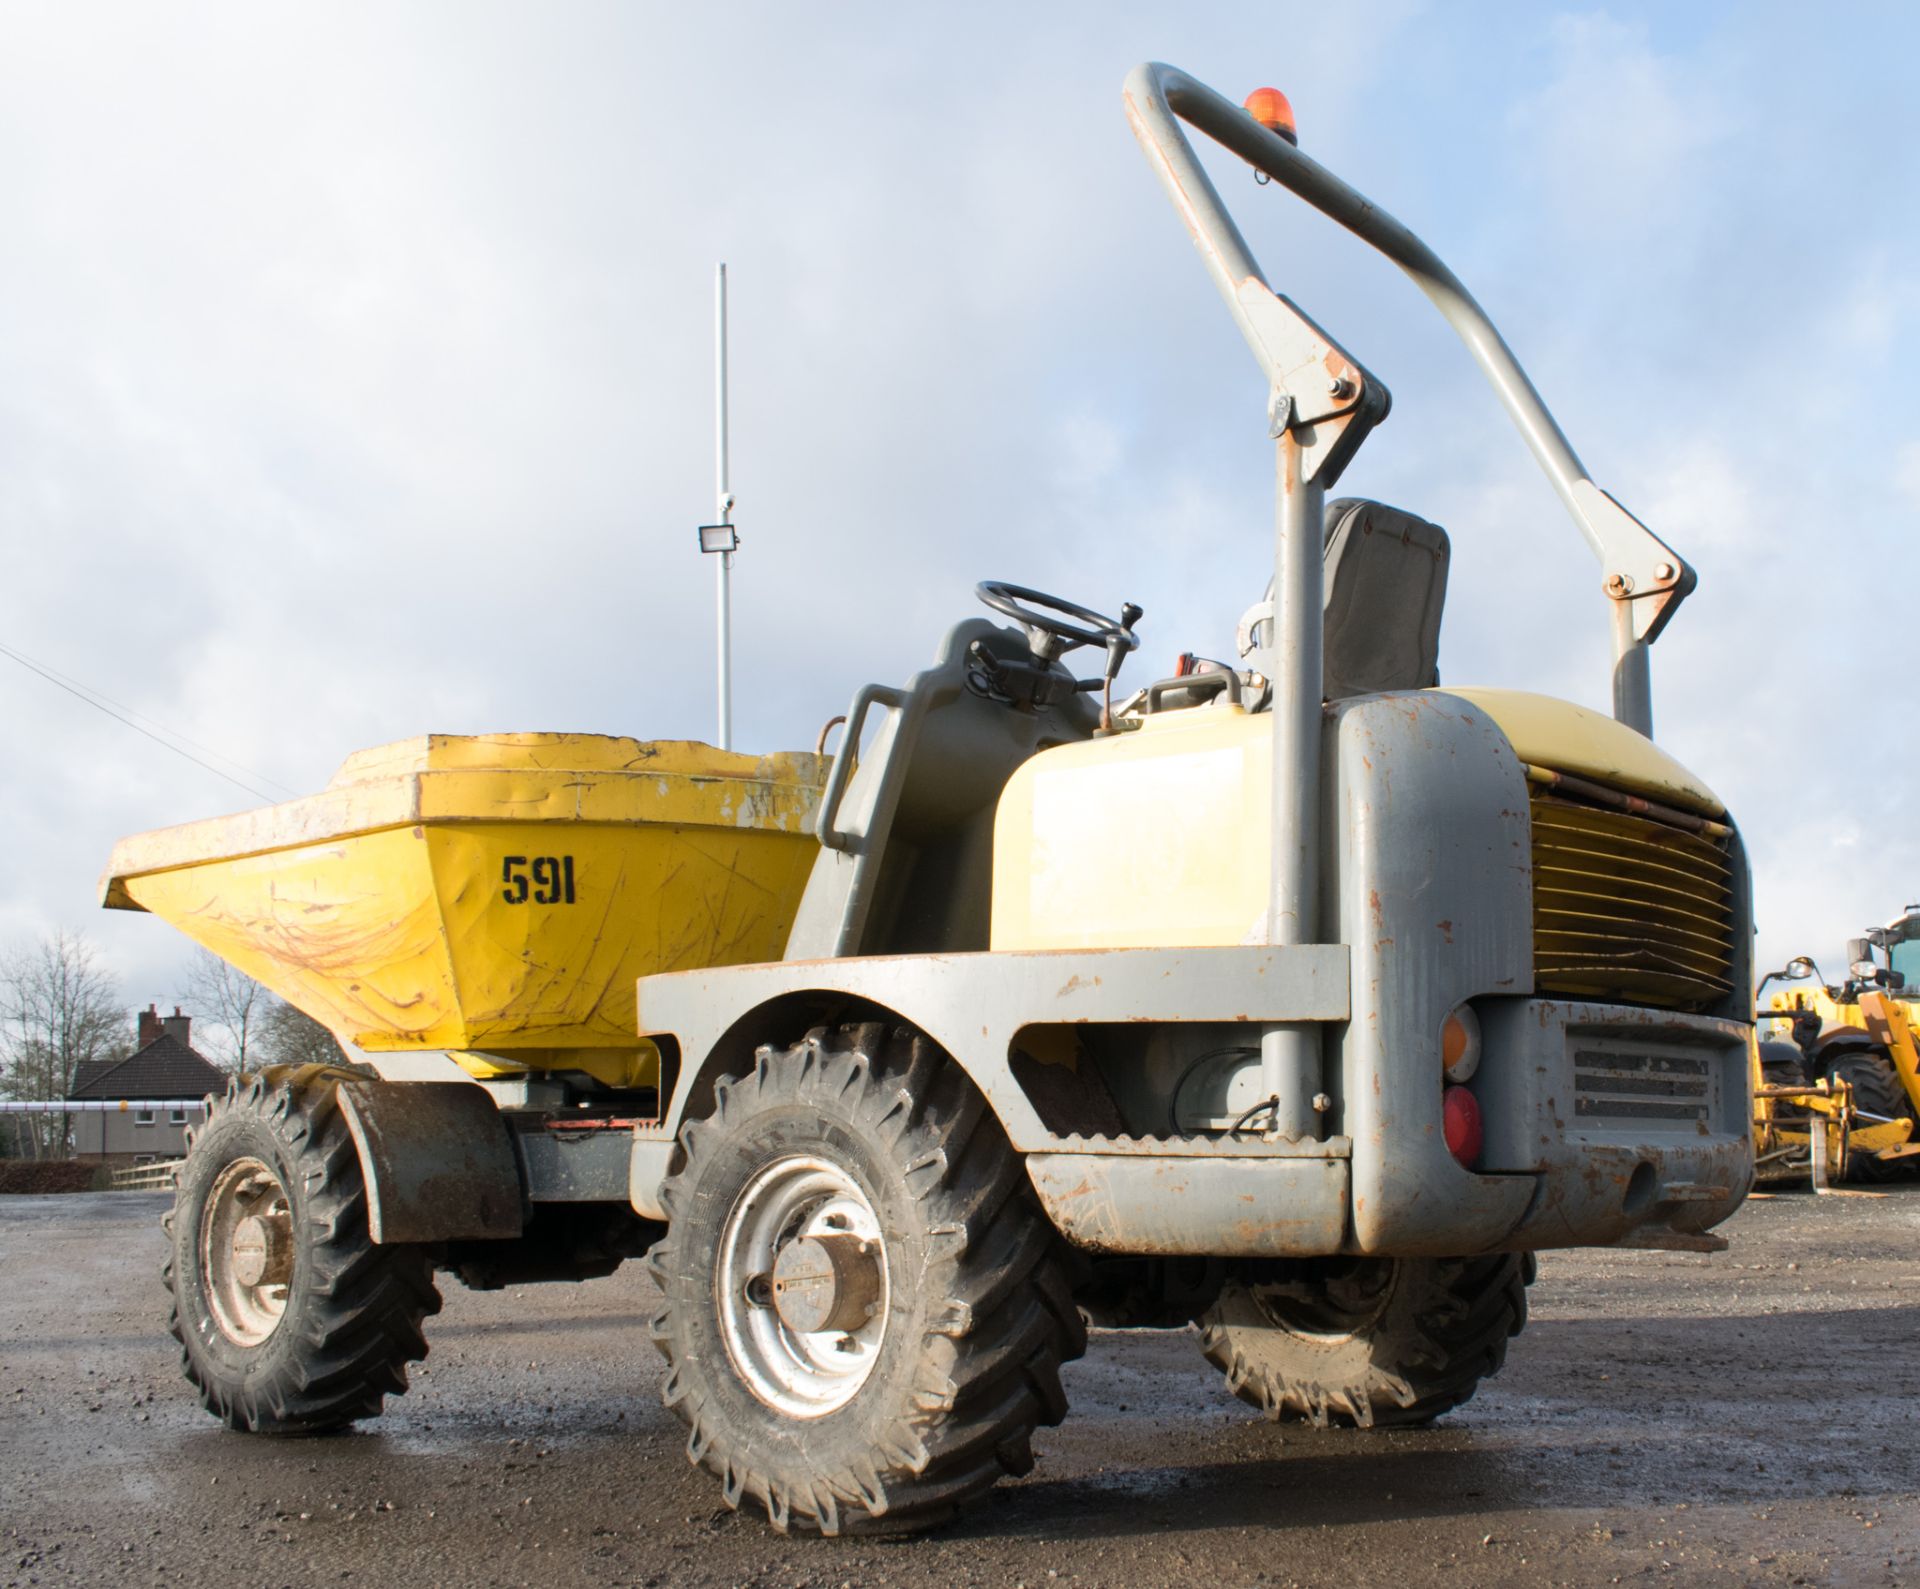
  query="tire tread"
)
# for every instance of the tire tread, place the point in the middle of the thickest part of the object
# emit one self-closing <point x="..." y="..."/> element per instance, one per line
<point x="997" y="1325"/>
<point x="1450" y="1333"/>
<point x="365" y="1303"/>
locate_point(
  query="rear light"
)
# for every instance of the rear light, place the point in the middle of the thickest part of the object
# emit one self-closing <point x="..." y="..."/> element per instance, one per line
<point x="1460" y="1118"/>
<point x="1460" y="1044"/>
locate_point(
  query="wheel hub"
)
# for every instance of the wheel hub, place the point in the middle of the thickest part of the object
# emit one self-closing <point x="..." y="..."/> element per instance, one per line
<point x="247" y="1251"/>
<point x="800" y="1288"/>
<point x="829" y="1282"/>
<point x="263" y="1250"/>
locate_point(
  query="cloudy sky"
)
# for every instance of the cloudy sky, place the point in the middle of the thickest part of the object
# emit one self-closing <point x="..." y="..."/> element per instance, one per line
<point x="355" y="376"/>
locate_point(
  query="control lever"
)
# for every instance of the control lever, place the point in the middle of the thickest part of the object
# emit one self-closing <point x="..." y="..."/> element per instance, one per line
<point x="1117" y="648"/>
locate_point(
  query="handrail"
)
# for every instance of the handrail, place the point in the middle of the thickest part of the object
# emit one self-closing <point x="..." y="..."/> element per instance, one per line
<point x="1645" y="579"/>
<point x="843" y="764"/>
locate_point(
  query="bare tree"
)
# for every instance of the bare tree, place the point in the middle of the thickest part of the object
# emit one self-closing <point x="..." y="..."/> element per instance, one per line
<point x="58" y="1010"/>
<point x="289" y="1036"/>
<point x="225" y="997"/>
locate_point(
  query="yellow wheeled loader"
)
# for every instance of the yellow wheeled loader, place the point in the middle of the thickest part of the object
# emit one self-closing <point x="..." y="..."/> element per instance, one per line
<point x="1297" y="997"/>
<point x="1812" y="1130"/>
<point x="1846" y="1054"/>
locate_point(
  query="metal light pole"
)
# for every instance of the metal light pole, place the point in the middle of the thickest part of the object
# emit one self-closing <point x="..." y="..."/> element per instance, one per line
<point x="721" y="538"/>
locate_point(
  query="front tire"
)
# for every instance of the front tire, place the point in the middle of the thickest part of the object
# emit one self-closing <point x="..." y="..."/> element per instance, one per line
<point x="290" y="1319"/>
<point x="1877" y="1091"/>
<point x="1368" y="1342"/>
<point x="864" y="1313"/>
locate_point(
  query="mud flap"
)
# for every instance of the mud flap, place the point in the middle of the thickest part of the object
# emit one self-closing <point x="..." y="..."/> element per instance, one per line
<point x="437" y="1160"/>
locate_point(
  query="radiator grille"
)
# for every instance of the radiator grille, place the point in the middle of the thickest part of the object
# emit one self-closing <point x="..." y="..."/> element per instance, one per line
<point x="1653" y="1091"/>
<point x="1627" y="909"/>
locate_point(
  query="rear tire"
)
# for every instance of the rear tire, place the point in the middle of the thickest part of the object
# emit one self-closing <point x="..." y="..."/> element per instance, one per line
<point x="290" y="1319"/>
<point x="1372" y="1343"/>
<point x="928" y="1385"/>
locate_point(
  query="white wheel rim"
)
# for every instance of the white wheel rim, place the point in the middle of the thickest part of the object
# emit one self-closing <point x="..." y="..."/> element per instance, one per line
<point x="246" y="1251"/>
<point x="803" y="1374"/>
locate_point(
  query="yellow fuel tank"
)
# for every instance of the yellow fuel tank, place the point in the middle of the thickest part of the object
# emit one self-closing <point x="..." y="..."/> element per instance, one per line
<point x="498" y="893"/>
<point x="1157" y="838"/>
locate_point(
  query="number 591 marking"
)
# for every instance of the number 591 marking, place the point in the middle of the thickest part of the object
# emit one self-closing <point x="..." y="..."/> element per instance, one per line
<point x="550" y="877"/>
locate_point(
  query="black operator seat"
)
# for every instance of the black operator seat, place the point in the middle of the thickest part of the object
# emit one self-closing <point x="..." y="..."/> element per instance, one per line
<point x="1386" y="586"/>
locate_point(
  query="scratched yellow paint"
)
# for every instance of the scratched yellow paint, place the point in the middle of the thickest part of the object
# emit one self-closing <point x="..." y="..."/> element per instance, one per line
<point x="497" y="894"/>
<point x="1588" y="744"/>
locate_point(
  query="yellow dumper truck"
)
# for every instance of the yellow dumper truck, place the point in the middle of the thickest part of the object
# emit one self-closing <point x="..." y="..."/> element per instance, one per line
<point x="1294" y="996"/>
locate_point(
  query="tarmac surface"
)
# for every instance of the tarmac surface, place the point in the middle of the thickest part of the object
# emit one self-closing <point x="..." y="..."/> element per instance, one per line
<point x="1666" y="1418"/>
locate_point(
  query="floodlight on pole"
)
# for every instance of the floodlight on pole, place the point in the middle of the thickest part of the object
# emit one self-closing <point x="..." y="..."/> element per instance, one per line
<point x="722" y="539"/>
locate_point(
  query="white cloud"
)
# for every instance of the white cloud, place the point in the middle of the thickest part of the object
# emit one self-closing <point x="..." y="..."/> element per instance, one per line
<point x="354" y="374"/>
<point x="1615" y="131"/>
<point x="1875" y="306"/>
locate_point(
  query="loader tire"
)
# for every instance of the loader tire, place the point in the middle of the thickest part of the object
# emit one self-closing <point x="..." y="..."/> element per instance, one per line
<point x="290" y="1319"/>
<point x="914" y="1372"/>
<point x="1372" y="1343"/>
<point x="1877" y="1090"/>
<point x="1783" y="1073"/>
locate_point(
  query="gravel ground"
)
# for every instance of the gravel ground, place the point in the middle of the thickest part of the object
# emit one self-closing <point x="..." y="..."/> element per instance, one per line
<point x="1666" y="1418"/>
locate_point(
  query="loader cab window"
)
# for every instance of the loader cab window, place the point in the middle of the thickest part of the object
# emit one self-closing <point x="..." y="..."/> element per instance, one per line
<point x="1905" y="959"/>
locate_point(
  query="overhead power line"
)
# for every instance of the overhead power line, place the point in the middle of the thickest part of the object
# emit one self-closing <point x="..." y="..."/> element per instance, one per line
<point x="158" y="733"/>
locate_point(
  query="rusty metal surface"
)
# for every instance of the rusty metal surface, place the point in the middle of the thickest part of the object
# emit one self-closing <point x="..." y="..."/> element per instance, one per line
<point x="648" y="1160"/>
<point x="1436" y="898"/>
<point x="562" y="1163"/>
<point x="1434" y="892"/>
<point x="1599" y="793"/>
<point x="1230" y="1208"/>
<point x="1644" y="578"/>
<point x="1578" y="1070"/>
<point x="972" y="1005"/>
<point x="1628" y="908"/>
<point x="437" y="1160"/>
<point x="1652" y="1161"/>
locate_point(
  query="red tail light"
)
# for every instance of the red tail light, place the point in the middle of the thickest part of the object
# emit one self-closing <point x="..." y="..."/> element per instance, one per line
<point x="1460" y="1117"/>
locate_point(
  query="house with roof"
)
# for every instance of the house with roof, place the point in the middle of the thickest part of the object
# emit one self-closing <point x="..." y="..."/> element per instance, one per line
<point x="161" y="1088"/>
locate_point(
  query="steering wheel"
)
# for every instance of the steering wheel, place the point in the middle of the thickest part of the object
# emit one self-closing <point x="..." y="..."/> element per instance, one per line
<point x="1055" y="626"/>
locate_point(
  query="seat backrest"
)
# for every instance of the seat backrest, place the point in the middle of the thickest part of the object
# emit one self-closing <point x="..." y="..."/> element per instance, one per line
<point x="912" y="866"/>
<point x="1386" y="585"/>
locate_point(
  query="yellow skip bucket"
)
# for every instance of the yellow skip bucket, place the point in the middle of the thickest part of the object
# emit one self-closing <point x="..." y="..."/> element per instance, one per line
<point x="498" y="893"/>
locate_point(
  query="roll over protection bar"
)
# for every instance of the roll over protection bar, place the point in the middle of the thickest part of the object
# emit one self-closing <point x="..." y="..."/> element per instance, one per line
<point x="1316" y="387"/>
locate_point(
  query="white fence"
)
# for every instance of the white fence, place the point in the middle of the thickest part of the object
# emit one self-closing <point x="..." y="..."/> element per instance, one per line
<point x="157" y="1177"/>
